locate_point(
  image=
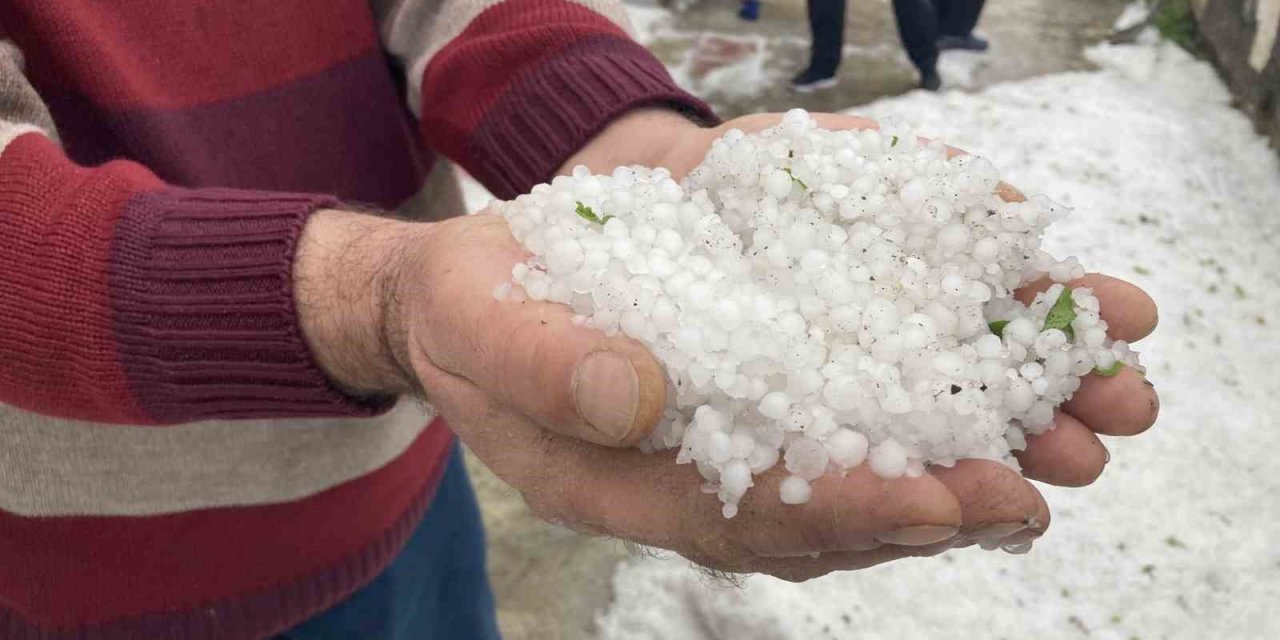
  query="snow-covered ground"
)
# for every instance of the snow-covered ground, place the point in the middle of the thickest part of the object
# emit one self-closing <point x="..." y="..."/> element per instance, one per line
<point x="1180" y="538"/>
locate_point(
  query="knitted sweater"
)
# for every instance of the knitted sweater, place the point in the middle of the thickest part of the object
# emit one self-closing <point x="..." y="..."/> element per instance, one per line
<point x="173" y="463"/>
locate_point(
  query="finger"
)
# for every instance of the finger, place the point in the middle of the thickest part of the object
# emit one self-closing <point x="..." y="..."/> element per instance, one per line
<point x="996" y="502"/>
<point x="1125" y="404"/>
<point x="652" y="500"/>
<point x="856" y="511"/>
<point x="556" y="474"/>
<point x="1129" y="312"/>
<point x="645" y="498"/>
<point x="1068" y="455"/>
<point x="529" y="355"/>
<point x="804" y="568"/>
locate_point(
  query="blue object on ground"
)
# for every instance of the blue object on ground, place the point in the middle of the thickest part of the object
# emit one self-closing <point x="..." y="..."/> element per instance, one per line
<point x="750" y="10"/>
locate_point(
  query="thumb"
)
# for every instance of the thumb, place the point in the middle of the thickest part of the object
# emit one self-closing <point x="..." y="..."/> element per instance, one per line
<point x="527" y="354"/>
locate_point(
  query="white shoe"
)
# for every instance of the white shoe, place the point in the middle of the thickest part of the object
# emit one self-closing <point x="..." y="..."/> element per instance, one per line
<point x="805" y="84"/>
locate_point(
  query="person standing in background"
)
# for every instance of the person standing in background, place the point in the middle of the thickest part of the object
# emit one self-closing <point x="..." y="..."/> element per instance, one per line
<point x="928" y="27"/>
<point x="826" y="26"/>
<point x="925" y="26"/>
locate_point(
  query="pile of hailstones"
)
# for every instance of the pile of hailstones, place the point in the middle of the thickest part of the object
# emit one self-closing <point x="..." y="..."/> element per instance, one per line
<point x="822" y="298"/>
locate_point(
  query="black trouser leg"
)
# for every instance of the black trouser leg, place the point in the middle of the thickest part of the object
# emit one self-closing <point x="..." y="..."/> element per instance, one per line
<point x="826" y="21"/>
<point x="918" y="26"/>
<point x="958" y="17"/>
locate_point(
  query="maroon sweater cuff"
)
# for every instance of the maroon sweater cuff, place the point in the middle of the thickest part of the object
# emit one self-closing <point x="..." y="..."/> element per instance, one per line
<point x="556" y="107"/>
<point x="203" y="307"/>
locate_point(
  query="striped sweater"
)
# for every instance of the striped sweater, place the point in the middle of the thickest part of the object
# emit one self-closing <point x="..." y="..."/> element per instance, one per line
<point x="173" y="463"/>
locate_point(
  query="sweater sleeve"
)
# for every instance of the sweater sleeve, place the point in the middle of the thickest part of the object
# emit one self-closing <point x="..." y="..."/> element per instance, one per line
<point x="510" y="89"/>
<point x="126" y="300"/>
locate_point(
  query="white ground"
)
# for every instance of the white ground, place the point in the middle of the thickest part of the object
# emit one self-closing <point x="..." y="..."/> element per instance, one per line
<point x="1180" y="538"/>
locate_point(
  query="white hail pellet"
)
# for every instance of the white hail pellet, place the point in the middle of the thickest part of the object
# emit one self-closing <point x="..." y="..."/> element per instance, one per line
<point x="821" y="299"/>
<point x="795" y="490"/>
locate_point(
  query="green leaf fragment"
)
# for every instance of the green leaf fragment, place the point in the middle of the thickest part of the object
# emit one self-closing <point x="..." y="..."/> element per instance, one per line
<point x="1109" y="371"/>
<point x="795" y="179"/>
<point x="997" y="327"/>
<point x="586" y="213"/>
<point x="1062" y="314"/>
<point x="894" y="143"/>
<point x="1141" y="270"/>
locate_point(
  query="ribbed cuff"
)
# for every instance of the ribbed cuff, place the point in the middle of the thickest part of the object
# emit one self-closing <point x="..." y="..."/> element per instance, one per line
<point x="203" y="308"/>
<point x="552" y="111"/>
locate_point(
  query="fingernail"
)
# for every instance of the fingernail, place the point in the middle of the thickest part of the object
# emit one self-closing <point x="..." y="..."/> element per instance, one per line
<point x="996" y="531"/>
<point x="606" y="390"/>
<point x="1016" y="549"/>
<point x="1026" y="536"/>
<point x="917" y="536"/>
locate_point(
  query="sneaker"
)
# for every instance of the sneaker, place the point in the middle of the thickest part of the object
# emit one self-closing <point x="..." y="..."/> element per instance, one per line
<point x="966" y="43"/>
<point x="750" y="10"/>
<point x="809" y="81"/>
<point x="930" y="80"/>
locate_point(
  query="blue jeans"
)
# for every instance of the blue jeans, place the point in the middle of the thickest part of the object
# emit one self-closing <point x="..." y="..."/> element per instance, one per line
<point x="436" y="588"/>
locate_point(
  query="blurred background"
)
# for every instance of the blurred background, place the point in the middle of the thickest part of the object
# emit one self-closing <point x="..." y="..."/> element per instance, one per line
<point x="1156" y="122"/>
<point x="745" y="66"/>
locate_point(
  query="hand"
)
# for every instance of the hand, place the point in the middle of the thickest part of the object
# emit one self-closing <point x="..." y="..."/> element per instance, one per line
<point x="503" y="374"/>
<point x="393" y="306"/>
<point x="1069" y="455"/>
<point x="855" y="521"/>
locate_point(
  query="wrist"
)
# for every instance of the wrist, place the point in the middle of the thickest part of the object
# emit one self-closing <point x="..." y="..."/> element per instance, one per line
<point x="347" y="274"/>
<point x="646" y="136"/>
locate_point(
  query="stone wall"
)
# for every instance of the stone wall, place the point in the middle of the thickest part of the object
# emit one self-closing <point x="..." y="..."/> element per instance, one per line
<point x="1241" y="38"/>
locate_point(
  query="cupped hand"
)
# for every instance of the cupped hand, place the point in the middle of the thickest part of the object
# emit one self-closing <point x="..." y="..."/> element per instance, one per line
<point x="553" y="408"/>
<point x="510" y="377"/>
<point x="1071" y="454"/>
